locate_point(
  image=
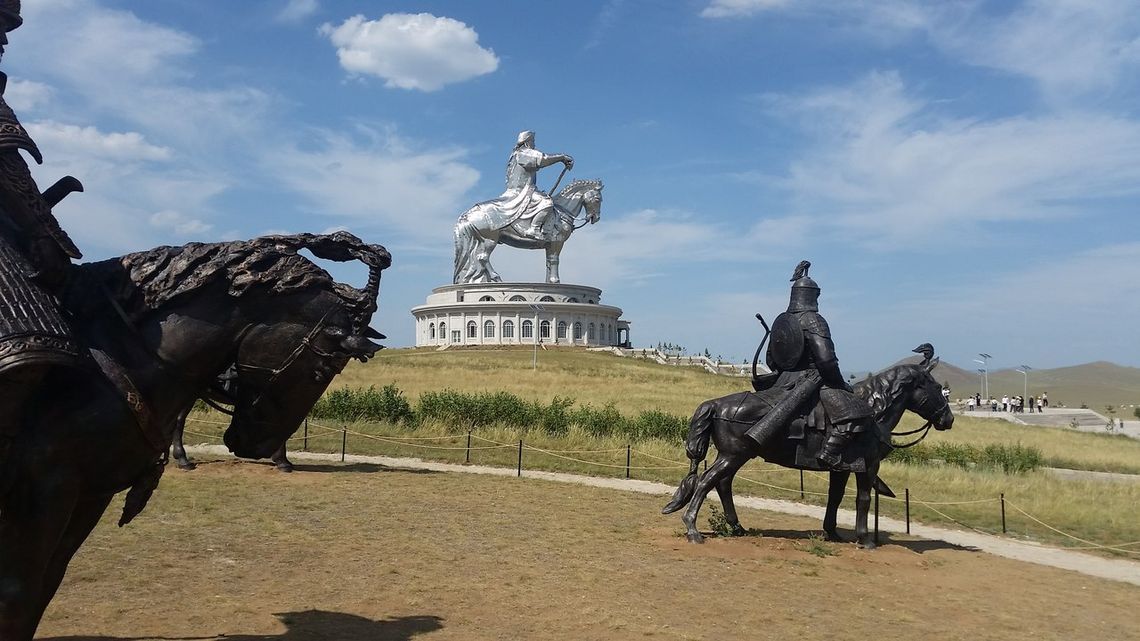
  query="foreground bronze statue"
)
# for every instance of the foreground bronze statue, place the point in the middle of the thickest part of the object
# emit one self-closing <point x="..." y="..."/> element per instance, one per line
<point x="98" y="361"/>
<point x="803" y="415"/>
<point x="157" y="329"/>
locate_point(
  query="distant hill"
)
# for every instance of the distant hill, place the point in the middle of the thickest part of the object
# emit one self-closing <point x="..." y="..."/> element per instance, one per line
<point x="1094" y="384"/>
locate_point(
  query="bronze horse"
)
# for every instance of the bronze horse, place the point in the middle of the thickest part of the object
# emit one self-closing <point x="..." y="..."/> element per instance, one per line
<point x="160" y="327"/>
<point x="723" y="421"/>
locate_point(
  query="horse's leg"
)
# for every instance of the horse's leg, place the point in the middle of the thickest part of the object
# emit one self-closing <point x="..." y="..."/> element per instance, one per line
<point x="35" y="514"/>
<point x="483" y="255"/>
<point x="836" y="486"/>
<point x="553" y="251"/>
<point x="705" y="485"/>
<point x="83" y="519"/>
<point x="724" y="490"/>
<point x="281" y="460"/>
<point x="177" y="450"/>
<point x="863" y="482"/>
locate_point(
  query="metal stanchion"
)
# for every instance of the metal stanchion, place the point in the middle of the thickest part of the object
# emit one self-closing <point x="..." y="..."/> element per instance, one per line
<point x="305" y="443"/>
<point x="343" y="442"/>
<point x="1003" y="512"/>
<point x="876" y="516"/>
<point x="468" y="447"/>
<point x="907" y="491"/>
<point x="628" y="455"/>
<point x="520" y="457"/>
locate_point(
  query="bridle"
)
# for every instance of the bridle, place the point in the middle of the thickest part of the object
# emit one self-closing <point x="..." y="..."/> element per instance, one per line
<point x="306" y="344"/>
<point x="925" y="429"/>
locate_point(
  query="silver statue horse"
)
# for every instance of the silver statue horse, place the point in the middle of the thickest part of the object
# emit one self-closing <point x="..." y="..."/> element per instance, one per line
<point x="484" y="226"/>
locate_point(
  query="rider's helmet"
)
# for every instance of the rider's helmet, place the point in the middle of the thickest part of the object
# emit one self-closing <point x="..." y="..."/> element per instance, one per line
<point x="805" y="291"/>
<point x="525" y="137"/>
<point x="10" y="14"/>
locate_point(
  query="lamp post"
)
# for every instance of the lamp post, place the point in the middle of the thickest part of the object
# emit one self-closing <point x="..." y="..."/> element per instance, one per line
<point x="537" y="309"/>
<point x="982" y="385"/>
<point x="984" y="360"/>
<point x="1024" y="371"/>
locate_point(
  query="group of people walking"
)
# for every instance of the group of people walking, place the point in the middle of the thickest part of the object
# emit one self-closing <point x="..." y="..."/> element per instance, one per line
<point x="1016" y="404"/>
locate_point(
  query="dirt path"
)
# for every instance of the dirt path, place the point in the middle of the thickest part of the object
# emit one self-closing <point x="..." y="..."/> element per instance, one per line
<point x="1112" y="569"/>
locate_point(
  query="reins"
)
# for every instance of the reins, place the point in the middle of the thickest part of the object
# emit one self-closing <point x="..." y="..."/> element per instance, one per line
<point x="925" y="429"/>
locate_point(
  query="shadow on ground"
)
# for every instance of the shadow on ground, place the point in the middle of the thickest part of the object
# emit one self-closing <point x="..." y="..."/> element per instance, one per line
<point x="317" y="467"/>
<point x="312" y="625"/>
<point x="918" y="546"/>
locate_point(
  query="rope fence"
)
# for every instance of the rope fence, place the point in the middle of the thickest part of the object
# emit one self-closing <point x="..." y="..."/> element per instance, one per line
<point x="520" y="447"/>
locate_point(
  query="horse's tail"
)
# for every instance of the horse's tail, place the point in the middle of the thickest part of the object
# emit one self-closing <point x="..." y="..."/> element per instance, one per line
<point x="696" y="447"/>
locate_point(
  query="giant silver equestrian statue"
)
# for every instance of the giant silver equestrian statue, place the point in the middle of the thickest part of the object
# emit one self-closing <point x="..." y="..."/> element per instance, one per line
<point x="524" y="216"/>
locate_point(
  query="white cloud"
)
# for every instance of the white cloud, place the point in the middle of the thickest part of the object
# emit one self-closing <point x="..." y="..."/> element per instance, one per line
<point x="378" y="180"/>
<point x="1069" y="48"/>
<point x="411" y="51"/>
<point x="90" y="141"/>
<point x="733" y="8"/>
<point x="27" y="94"/>
<point x="887" y="167"/>
<point x="179" y="223"/>
<point x="297" y="10"/>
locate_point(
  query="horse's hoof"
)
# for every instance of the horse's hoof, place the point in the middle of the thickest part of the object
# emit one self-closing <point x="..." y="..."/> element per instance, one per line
<point x="187" y="466"/>
<point x="867" y="545"/>
<point x="833" y="536"/>
<point x="695" y="537"/>
<point x="738" y="530"/>
<point x="287" y="468"/>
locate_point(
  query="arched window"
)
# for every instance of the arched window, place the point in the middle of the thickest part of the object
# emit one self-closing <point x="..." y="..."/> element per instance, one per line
<point x="431" y="330"/>
<point x="528" y="329"/>
<point x="571" y="300"/>
<point x="517" y="298"/>
<point x="508" y="329"/>
<point x="544" y="329"/>
<point x="486" y="299"/>
<point x="443" y="331"/>
<point x="577" y="331"/>
<point x="546" y="299"/>
<point x="561" y="330"/>
<point x="472" y="329"/>
<point x="590" y="332"/>
<point x="489" y="329"/>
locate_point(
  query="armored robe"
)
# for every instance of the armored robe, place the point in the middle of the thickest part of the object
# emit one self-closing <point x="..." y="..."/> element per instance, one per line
<point x="35" y="256"/>
<point x="806" y="375"/>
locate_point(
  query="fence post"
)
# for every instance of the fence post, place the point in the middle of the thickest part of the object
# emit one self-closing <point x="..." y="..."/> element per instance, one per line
<point x="801" y="485"/>
<point x="1003" y="512"/>
<point x="468" y="446"/>
<point x="305" y="445"/>
<point x="343" y="442"/>
<point x="628" y="454"/>
<point x="876" y="516"/>
<point x="520" y="457"/>
<point x="907" y="490"/>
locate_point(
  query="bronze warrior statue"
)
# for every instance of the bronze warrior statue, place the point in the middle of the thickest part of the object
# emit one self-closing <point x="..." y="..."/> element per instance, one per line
<point x="35" y="258"/>
<point x="802" y="353"/>
<point x="803" y="415"/>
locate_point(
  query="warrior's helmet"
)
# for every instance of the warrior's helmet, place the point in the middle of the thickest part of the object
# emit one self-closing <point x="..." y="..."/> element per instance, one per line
<point x="525" y="137"/>
<point x="805" y="292"/>
<point x="10" y="14"/>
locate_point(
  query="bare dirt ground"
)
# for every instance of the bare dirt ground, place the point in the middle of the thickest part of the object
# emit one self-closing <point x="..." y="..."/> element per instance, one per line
<point x="367" y="553"/>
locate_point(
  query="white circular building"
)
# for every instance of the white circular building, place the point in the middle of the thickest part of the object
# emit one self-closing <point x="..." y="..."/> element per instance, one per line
<point x="518" y="314"/>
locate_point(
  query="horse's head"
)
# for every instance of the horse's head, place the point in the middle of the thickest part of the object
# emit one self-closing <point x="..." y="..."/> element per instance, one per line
<point x="293" y="347"/>
<point x="925" y="396"/>
<point x="283" y="367"/>
<point x="582" y="194"/>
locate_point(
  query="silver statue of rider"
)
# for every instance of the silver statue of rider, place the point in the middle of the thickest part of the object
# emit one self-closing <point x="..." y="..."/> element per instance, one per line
<point x="523" y="199"/>
<point x="801" y="347"/>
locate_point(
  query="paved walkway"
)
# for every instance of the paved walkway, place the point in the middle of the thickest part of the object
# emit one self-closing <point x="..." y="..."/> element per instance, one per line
<point x="1112" y="569"/>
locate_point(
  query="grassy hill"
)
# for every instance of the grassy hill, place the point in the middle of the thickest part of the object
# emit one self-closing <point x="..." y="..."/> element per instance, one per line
<point x="1094" y="384"/>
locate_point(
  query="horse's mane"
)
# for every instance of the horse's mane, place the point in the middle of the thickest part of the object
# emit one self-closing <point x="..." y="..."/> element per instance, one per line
<point x="579" y="184"/>
<point x="879" y="389"/>
<point x="268" y="264"/>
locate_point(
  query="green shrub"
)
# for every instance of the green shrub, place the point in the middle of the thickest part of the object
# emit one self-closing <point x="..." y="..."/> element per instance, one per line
<point x="385" y="404"/>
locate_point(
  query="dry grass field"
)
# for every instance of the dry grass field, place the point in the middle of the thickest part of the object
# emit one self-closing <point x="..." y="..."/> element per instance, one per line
<point x="361" y="553"/>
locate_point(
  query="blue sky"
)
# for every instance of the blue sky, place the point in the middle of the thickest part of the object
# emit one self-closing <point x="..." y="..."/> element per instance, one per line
<point x="964" y="173"/>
